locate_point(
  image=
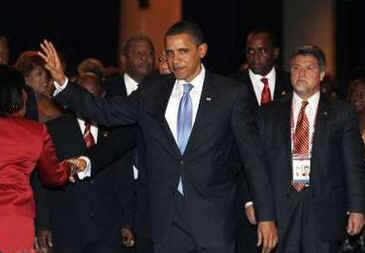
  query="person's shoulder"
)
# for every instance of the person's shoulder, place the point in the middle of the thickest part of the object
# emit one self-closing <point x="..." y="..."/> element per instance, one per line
<point x="60" y="120"/>
<point x="223" y="81"/>
<point x="277" y="104"/>
<point x="28" y="126"/>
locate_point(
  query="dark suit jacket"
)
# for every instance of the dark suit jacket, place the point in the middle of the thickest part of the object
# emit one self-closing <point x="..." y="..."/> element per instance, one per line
<point x="92" y="209"/>
<point x="282" y="88"/>
<point x="225" y="117"/>
<point x="337" y="173"/>
<point x="282" y="84"/>
<point x="116" y="87"/>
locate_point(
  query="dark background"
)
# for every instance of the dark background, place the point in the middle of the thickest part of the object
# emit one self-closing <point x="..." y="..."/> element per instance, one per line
<point x="83" y="29"/>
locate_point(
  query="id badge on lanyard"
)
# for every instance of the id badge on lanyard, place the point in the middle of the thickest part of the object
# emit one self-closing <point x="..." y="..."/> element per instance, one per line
<point x="301" y="169"/>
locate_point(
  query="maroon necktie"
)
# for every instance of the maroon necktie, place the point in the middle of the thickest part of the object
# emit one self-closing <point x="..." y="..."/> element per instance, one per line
<point x="265" y="94"/>
<point x="301" y="139"/>
<point x="88" y="137"/>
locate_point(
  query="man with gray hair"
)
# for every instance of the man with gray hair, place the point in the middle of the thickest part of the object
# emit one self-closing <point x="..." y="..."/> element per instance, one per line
<point x="316" y="161"/>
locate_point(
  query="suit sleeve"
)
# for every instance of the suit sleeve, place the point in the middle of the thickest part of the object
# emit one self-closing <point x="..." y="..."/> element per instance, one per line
<point x="125" y="188"/>
<point x="353" y="152"/>
<point x="43" y="218"/>
<point x="245" y="128"/>
<point x="51" y="171"/>
<point x="119" y="110"/>
<point x="111" y="149"/>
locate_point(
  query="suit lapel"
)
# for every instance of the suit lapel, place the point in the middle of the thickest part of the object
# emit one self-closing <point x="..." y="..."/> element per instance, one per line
<point x="158" y="109"/>
<point x="247" y="81"/>
<point x="319" y="136"/>
<point x="208" y="96"/>
<point x="279" y="86"/>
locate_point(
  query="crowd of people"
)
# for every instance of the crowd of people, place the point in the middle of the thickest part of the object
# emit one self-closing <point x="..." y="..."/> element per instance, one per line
<point x="175" y="158"/>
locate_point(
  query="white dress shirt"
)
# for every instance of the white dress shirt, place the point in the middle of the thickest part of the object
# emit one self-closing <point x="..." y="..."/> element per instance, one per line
<point x="172" y="108"/>
<point x="258" y="85"/>
<point x="130" y="84"/>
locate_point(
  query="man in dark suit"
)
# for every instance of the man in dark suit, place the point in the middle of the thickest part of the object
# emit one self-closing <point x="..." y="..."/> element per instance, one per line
<point x="262" y="76"/>
<point x="88" y="216"/>
<point x="137" y="58"/>
<point x="265" y="83"/>
<point x="190" y="141"/>
<point x="316" y="161"/>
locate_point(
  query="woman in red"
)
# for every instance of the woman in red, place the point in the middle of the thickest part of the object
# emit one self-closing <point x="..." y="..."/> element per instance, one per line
<point x="23" y="145"/>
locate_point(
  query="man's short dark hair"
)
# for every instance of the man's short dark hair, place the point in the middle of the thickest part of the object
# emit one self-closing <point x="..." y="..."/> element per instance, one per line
<point x="273" y="38"/>
<point x="314" y="51"/>
<point x="190" y="28"/>
<point x="12" y="85"/>
<point x="126" y="45"/>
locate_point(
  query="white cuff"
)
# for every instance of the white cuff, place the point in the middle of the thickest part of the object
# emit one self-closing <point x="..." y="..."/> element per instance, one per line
<point x="59" y="87"/>
<point x="248" y="204"/>
<point x="87" y="171"/>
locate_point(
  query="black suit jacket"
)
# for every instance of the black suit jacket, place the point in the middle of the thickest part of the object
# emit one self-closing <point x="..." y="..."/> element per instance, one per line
<point x="92" y="209"/>
<point x="337" y="173"/>
<point x="116" y="87"/>
<point x="225" y="117"/>
<point x="282" y="84"/>
<point x="282" y="88"/>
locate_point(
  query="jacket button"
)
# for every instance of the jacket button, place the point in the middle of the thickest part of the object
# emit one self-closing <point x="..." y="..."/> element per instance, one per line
<point x="181" y="162"/>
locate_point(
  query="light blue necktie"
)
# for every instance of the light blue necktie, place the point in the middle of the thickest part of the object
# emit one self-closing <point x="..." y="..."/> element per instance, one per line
<point x="184" y="123"/>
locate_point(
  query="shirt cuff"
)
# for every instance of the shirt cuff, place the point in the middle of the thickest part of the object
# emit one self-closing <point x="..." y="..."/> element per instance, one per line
<point x="87" y="171"/>
<point x="248" y="204"/>
<point x="59" y="87"/>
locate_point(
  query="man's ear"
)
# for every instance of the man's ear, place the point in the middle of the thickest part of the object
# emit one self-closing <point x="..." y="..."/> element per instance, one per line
<point x="122" y="60"/>
<point x="276" y="53"/>
<point x="322" y="75"/>
<point x="203" y="49"/>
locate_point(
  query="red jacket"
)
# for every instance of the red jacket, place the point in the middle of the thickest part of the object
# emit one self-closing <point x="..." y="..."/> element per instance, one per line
<point x="23" y="145"/>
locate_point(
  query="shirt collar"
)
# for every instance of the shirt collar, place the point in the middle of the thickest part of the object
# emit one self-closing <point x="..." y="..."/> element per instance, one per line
<point x="313" y="100"/>
<point x="129" y="80"/>
<point x="198" y="81"/>
<point x="257" y="77"/>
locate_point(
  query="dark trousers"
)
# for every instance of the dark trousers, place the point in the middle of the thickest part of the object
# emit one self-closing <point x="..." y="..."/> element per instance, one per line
<point x="180" y="238"/>
<point x="301" y="234"/>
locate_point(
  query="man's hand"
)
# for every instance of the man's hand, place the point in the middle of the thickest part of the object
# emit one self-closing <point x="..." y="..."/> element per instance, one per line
<point x="128" y="238"/>
<point x="53" y="62"/>
<point x="44" y="240"/>
<point x="267" y="236"/>
<point x="355" y="223"/>
<point x="250" y="213"/>
<point x="77" y="165"/>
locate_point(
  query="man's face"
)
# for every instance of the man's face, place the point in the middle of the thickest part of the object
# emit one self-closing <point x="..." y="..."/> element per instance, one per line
<point x="4" y="51"/>
<point x="305" y="75"/>
<point x="357" y="96"/>
<point x="184" y="56"/>
<point x="140" y="60"/>
<point x="260" y="53"/>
